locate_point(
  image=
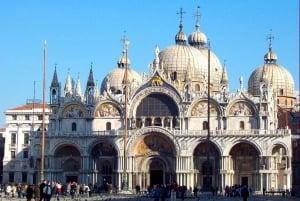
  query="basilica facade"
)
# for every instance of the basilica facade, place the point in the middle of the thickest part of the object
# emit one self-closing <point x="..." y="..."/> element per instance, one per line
<point x="176" y="123"/>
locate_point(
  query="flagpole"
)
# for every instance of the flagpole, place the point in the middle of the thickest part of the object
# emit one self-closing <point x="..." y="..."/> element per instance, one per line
<point x="43" y="119"/>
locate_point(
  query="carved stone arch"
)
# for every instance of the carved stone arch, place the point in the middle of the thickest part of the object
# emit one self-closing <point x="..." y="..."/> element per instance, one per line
<point x="227" y="150"/>
<point x="61" y="144"/>
<point x="68" y="158"/>
<point x="199" y="108"/>
<point x="73" y="110"/>
<point x="283" y="145"/>
<point x="107" y="109"/>
<point x="98" y="142"/>
<point x="146" y="130"/>
<point x="241" y="107"/>
<point x="144" y="165"/>
<point x="194" y="144"/>
<point x="137" y="99"/>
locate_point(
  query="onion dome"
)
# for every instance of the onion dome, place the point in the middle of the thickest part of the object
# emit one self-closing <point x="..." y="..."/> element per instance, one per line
<point x="272" y="73"/>
<point x="113" y="82"/>
<point x="197" y="38"/>
<point x="180" y="37"/>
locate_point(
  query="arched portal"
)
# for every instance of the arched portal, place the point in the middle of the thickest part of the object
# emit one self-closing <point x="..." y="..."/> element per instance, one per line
<point x="68" y="160"/>
<point x="280" y="162"/>
<point x="245" y="164"/>
<point x="157" y="168"/>
<point x="104" y="164"/>
<point x="155" y="159"/>
<point x="206" y="159"/>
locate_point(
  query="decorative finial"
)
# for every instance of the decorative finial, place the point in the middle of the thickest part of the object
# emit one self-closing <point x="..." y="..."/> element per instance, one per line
<point x="197" y="15"/>
<point x="181" y="12"/>
<point x="91" y="65"/>
<point x="270" y="37"/>
<point x="125" y="41"/>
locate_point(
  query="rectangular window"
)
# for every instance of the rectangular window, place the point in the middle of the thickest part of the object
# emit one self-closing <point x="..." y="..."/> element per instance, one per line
<point x="40" y="117"/>
<point x="11" y="177"/>
<point x="13" y="154"/>
<point x="27" y="117"/>
<point x="24" y="177"/>
<point x="14" y="117"/>
<point x="25" y="153"/>
<point x="26" y="138"/>
<point x="13" y="138"/>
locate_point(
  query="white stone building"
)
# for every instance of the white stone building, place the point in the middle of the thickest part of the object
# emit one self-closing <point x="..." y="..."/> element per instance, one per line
<point x="20" y="122"/>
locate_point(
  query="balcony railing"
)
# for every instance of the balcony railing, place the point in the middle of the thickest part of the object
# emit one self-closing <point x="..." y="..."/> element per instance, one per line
<point x="250" y="132"/>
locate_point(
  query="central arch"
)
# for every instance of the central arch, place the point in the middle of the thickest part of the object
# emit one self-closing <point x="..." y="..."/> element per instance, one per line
<point x="157" y="169"/>
<point x="155" y="159"/>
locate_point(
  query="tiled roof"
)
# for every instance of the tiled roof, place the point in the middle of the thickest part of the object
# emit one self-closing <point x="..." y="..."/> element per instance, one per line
<point x="30" y="106"/>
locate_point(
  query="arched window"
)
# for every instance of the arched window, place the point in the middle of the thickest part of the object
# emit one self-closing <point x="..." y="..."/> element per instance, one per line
<point x="197" y="87"/>
<point x="108" y="126"/>
<point x="281" y="92"/>
<point x="205" y="125"/>
<point x="74" y="126"/>
<point x="242" y="125"/>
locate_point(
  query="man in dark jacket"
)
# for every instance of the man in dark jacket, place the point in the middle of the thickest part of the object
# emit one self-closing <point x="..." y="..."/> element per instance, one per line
<point x="42" y="185"/>
<point x="245" y="193"/>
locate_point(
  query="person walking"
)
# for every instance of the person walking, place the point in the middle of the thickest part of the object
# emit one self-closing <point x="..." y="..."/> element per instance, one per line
<point x="29" y="193"/>
<point x="47" y="191"/>
<point x="245" y="193"/>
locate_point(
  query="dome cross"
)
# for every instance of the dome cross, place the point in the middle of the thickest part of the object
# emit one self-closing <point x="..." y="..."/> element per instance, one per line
<point x="181" y="12"/>
<point x="270" y="37"/>
<point x="197" y="15"/>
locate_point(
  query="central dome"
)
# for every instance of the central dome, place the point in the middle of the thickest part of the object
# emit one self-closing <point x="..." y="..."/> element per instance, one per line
<point x="181" y="58"/>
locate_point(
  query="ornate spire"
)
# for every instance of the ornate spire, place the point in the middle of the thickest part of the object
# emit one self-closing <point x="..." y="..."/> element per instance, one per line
<point x="78" y="87"/>
<point x="90" y="82"/>
<point x="224" y="78"/>
<point x="55" y="82"/>
<point x="68" y="85"/>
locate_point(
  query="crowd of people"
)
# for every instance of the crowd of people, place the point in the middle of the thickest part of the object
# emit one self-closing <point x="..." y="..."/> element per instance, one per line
<point x="46" y="190"/>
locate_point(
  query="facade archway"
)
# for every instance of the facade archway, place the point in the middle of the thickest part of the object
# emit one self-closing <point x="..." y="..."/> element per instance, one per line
<point x="104" y="164"/>
<point x="154" y="156"/>
<point x="68" y="161"/>
<point x="206" y="158"/>
<point x="245" y="164"/>
<point x="279" y="162"/>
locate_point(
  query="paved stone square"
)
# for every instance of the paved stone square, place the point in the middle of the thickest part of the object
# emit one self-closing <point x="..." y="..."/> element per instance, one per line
<point x="133" y="197"/>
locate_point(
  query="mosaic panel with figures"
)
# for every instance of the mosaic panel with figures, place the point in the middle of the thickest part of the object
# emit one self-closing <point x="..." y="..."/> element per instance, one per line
<point x="151" y="143"/>
<point x="74" y="111"/>
<point x="107" y="110"/>
<point x="200" y="109"/>
<point x="241" y="108"/>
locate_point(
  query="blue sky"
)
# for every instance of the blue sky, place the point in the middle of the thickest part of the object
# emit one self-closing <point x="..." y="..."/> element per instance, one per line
<point x="81" y="32"/>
